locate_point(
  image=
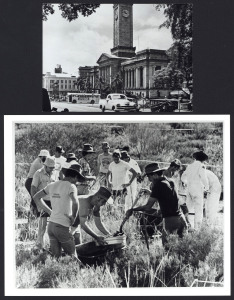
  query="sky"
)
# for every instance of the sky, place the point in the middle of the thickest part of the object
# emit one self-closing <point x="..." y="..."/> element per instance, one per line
<point x="81" y="42"/>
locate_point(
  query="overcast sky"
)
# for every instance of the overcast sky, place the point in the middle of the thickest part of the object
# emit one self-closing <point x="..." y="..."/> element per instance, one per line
<point x="81" y="42"/>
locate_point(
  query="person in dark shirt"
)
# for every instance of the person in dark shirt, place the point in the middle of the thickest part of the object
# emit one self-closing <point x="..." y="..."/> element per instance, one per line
<point x="163" y="192"/>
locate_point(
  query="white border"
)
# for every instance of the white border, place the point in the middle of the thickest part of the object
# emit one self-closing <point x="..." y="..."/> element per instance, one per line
<point x="9" y="196"/>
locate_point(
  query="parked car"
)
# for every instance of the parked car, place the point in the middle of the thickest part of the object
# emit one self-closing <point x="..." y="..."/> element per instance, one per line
<point x="117" y="102"/>
<point x="179" y="93"/>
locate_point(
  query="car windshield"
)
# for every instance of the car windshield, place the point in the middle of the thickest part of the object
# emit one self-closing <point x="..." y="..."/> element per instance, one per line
<point x="119" y="97"/>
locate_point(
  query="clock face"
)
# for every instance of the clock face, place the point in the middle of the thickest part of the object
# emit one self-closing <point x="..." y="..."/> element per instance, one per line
<point x="125" y="13"/>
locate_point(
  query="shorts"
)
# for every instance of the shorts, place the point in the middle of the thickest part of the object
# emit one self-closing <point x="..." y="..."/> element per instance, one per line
<point x="60" y="237"/>
<point x="43" y="213"/>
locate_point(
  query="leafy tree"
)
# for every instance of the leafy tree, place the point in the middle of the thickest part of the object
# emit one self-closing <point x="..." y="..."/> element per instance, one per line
<point x="179" y="20"/>
<point x="69" y="11"/>
<point x="168" y="78"/>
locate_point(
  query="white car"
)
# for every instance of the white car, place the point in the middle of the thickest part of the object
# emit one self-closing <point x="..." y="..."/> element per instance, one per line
<point x="117" y="102"/>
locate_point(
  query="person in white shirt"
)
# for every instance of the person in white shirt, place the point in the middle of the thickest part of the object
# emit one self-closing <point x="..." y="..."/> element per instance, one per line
<point x="132" y="189"/>
<point x="59" y="162"/>
<point x="196" y="179"/>
<point x="103" y="162"/>
<point x="63" y="211"/>
<point x="213" y="197"/>
<point x="117" y="172"/>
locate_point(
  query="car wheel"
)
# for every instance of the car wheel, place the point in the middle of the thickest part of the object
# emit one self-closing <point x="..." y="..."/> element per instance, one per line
<point x="100" y="106"/>
<point x="92" y="102"/>
<point x="113" y="107"/>
<point x="103" y="109"/>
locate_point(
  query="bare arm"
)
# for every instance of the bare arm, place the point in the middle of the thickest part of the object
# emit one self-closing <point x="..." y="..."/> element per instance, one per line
<point x="75" y="207"/>
<point x="100" y="225"/>
<point x="147" y="206"/>
<point x="40" y="202"/>
<point x="134" y="174"/>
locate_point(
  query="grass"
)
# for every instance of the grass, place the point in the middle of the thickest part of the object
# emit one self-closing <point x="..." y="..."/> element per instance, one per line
<point x="198" y="255"/>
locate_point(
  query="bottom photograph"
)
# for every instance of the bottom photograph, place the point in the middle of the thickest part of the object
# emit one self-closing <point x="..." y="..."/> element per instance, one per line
<point x="116" y="204"/>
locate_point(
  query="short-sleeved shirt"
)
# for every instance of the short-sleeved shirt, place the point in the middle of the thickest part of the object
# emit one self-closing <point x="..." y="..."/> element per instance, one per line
<point x="163" y="190"/>
<point x="59" y="193"/>
<point x="119" y="174"/>
<point x="195" y="175"/>
<point x="36" y="165"/>
<point x="134" y="165"/>
<point x="41" y="179"/>
<point x="59" y="164"/>
<point x="104" y="162"/>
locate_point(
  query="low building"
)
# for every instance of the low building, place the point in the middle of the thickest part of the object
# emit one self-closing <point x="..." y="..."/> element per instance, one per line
<point x="59" y="84"/>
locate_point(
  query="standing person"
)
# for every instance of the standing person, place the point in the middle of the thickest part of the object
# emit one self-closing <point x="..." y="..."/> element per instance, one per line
<point x="87" y="156"/>
<point x="117" y="171"/>
<point x="71" y="160"/>
<point x="65" y="206"/>
<point x="90" y="205"/>
<point x="196" y="179"/>
<point x="103" y="162"/>
<point x="132" y="189"/>
<point x="164" y="193"/>
<point x="36" y="165"/>
<point x="59" y="162"/>
<point x="41" y="179"/>
<point x="213" y="197"/>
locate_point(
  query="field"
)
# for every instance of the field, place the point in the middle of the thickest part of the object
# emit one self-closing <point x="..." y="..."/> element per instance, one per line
<point x="198" y="256"/>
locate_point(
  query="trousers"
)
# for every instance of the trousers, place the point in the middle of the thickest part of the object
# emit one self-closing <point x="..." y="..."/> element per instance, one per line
<point x="194" y="203"/>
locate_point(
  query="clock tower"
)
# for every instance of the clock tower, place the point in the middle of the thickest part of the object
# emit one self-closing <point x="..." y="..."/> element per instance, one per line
<point x="123" y="31"/>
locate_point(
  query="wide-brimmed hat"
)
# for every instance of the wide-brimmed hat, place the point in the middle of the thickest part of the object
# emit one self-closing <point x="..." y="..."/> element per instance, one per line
<point x="105" y="145"/>
<point x="71" y="156"/>
<point x="88" y="148"/>
<point x="44" y="152"/>
<point x="175" y="163"/>
<point x="104" y="192"/>
<point x="77" y="168"/>
<point x="59" y="149"/>
<point x="116" y="153"/>
<point x="153" y="168"/>
<point x="49" y="162"/>
<point x="124" y="155"/>
<point x="200" y="155"/>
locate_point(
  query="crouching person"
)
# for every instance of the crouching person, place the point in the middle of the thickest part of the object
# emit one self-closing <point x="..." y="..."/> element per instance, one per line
<point x="65" y="206"/>
<point x="164" y="193"/>
<point x="90" y="205"/>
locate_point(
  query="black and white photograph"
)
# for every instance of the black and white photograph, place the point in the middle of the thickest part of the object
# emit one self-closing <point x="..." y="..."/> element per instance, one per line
<point x="105" y="58"/>
<point x="119" y="207"/>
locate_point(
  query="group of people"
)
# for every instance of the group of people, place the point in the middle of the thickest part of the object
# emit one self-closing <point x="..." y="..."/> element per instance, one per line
<point x="60" y="189"/>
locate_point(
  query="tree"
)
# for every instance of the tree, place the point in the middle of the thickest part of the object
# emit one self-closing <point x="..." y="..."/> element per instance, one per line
<point x="69" y="11"/>
<point x="168" y="78"/>
<point x="117" y="84"/>
<point x="179" y="20"/>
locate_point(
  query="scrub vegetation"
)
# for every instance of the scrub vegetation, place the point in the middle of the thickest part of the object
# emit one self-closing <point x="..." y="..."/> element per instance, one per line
<point x="199" y="255"/>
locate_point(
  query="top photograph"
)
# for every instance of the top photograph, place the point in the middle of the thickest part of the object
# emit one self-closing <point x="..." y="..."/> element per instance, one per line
<point x="114" y="58"/>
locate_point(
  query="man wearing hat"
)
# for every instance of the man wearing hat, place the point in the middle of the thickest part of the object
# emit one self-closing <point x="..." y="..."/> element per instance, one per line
<point x="41" y="179"/>
<point x="164" y="193"/>
<point x="87" y="156"/>
<point x="132" y="189"/>
<point x="64" y="203"/>
<point x="59" y="161"/>
<point x="71" y="160"/>
<point x="36" y="165"/>
<point x="118" y="170"/>
<point x="103" y="162"/>
<point x="90" y="205"/>
<point x="196" y="179"/>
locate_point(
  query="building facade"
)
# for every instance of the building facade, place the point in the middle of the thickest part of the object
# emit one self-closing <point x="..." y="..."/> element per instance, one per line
<point x="134" y="70"/>
<point x="59" y="84"/>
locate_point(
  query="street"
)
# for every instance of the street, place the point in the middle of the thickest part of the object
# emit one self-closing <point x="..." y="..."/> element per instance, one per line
<point x="73" y="107"/>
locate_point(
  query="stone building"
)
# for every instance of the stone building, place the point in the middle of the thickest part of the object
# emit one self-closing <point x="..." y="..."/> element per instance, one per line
<point x="136" y="70"/>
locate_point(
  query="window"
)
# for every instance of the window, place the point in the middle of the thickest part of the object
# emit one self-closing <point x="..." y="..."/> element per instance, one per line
<point x="61" y="86"/>
<point x="61" y="81"/>
<point x="65" y="86"/>
<point x="69" y="81"/>
<point x="65" y="81"/>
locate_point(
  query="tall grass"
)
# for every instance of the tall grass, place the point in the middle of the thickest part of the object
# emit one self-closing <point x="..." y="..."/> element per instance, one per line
<point x="197" y="255"/>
